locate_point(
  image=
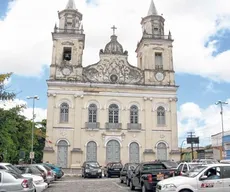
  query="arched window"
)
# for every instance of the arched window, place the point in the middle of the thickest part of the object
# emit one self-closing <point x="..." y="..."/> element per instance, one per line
<point x="134" y="114"/>
<point x="113" y="113"/>
<point x="64" y="113"/>
<point x="92" y="113"/>
<point x="161" y="115"/>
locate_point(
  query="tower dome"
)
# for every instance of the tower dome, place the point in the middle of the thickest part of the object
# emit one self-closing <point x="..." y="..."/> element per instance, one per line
<point x="113" y="47"/>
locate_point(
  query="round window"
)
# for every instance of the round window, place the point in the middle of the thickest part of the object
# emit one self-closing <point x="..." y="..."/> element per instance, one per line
<point x="113" y="78"/>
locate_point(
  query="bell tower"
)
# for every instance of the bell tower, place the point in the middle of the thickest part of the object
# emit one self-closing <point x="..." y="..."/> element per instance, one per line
<point x="154" y="50"/>
<point x="68" y="44"/>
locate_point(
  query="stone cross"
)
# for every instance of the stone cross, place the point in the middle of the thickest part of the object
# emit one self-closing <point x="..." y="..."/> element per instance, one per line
<point x="113" y="28"/>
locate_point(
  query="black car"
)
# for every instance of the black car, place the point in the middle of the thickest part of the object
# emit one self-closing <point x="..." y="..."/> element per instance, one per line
<point x="91" y="169"/>
<point x="113" y="169"/>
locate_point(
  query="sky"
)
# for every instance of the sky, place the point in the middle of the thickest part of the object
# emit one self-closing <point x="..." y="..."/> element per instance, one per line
<point x="201" y="52"/>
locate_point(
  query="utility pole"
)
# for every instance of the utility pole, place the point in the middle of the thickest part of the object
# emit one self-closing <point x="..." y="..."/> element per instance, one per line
<point x="32" y="132"/>
<point x="221" y="103"/>
<point x="191" y="135"/>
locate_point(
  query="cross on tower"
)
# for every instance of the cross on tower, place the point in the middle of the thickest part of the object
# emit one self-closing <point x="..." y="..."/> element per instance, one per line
<point x="113" y="28"/>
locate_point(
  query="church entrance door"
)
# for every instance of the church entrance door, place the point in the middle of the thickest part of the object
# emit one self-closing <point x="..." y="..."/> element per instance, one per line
<point x="134" y="153"/>
<point x="161" y="151"/>
<point x="113" y="151"/>
<point x="91" y="151"/>
<point x="62" y="154"/>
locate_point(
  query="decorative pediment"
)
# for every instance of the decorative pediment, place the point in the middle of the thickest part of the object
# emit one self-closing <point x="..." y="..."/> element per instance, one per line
<point x="158" y="48"/>
<point x="114" y="70"/>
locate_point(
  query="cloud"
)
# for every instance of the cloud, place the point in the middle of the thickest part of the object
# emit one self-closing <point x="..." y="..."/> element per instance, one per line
<point x="204" y="122"/>
<point x="26" y="42"/>
<point x="40" y="113"/>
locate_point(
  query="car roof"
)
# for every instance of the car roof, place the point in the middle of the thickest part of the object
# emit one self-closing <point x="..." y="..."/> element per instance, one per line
<point x="5" y="164"/>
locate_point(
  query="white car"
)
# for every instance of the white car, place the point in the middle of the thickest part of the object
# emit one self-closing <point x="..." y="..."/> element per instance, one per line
<point x="38" y="182"/>
<point x="203" y="178"/>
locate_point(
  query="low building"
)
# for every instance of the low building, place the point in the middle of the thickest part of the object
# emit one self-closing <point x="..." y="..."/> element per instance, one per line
<point x="217" y="145"/>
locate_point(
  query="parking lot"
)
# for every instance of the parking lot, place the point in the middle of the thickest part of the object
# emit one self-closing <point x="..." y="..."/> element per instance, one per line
<point x="79" y="184"/>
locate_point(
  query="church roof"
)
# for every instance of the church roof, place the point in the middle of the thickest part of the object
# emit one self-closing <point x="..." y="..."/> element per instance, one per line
<point x="71" y="5"/>
<point x="113" y="47"/>
<point x="152" y="9"/>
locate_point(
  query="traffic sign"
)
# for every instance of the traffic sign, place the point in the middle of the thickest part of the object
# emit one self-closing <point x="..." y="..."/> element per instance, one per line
<point x="31" y="155"/>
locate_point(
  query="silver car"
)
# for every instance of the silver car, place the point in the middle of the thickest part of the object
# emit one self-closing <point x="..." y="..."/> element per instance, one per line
<point x="11" y="181"/>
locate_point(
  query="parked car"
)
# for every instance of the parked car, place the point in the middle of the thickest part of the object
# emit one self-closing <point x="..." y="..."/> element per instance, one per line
<point x="91" y="169"/>
<point x="12" y="181"/>
<point x="206" y="178"/>
<point x="37" y="181"/>
<point x="148" y="174"/>
<point x="47" y="171"/>
<point x="31" y="170"/>
<point x="58" y="170"/>
<point x="184" y="167"/>
<point x="127" y="171"/>
<point x="113" y="169"/>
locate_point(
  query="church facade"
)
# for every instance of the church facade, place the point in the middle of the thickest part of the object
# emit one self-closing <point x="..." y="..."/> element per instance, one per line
<point x="111" y="110"/>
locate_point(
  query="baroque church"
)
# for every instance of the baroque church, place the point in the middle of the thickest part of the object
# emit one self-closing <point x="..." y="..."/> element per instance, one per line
<point x="111" y="110"/>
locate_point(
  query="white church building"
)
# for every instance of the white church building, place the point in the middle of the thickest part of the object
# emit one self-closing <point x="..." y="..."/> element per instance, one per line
<point x="111" y="110"/>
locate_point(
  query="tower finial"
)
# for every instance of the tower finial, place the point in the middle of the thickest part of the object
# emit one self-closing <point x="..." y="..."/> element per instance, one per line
<point x="152" y="9"/>
<point x="71" y="5"/>
<point x="113" y="28"/>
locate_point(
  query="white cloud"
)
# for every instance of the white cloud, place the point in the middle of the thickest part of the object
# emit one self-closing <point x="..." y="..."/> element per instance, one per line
<point x="26" y="42"/>
<point x="40" y="113"/>
<point x="204" y="122"/>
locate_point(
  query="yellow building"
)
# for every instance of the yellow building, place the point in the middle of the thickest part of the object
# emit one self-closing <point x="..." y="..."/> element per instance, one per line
<point x="111" y="110"/>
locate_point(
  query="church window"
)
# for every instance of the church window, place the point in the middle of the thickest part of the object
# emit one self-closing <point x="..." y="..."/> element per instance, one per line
<point x="161" y="116"/>
<point x="92" y="113"/>
<point x="134" y="114"/>
<point x="113" y="113"/>
<point x="158" y="61"/>
<point x="155" y="29"/>
<point x="64" y="113"/>
<point x="67" y="53"/>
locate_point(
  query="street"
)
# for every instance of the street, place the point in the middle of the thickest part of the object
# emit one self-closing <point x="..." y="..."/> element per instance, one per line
<point x="78" y="184"/>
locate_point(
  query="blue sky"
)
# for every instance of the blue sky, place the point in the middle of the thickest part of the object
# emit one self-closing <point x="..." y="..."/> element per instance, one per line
<point x="192" y="88"/>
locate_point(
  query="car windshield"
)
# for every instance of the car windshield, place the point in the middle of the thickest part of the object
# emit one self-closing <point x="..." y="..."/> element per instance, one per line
<point x="195" y="171"/>
<point x="116" y="165"/>
<point x="13" y="168"/>
<point x="147" y="167"/>
<point x="170" y="164"/>
<point x="93" y="164"/>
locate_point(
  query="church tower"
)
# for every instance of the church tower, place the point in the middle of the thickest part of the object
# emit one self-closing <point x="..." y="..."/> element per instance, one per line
<point x="154" y="51"/>
<point x="68" y="45"/>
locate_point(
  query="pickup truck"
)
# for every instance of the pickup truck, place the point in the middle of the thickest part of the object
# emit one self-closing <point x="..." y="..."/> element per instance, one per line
<point x="148" y="174"/>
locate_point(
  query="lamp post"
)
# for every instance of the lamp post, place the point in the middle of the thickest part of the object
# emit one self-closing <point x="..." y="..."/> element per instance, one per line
<point x="221" y="103"/>
<point x="32" y="134"/>
<point x="181" y="149"/>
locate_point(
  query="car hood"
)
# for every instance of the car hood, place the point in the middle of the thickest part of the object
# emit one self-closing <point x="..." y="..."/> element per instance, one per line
<point x="178" y="180"/>
<point x="34" y="177"/>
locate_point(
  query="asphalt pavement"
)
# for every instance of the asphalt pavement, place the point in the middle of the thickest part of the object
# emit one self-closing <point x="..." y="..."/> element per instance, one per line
<point x="79" y="184"/>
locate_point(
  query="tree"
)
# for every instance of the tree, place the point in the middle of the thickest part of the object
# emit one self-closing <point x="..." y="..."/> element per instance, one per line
<point x="4" y="94"/>
<point x="15" y="136"/>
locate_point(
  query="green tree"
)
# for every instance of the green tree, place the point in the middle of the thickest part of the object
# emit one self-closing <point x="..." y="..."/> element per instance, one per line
<point x="4" y="94"/>
<point x="15" y="136"/>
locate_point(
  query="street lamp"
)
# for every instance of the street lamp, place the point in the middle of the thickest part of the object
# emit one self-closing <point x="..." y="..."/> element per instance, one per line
<point x="221" y="103"/>
<point x="32" y="134"/>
